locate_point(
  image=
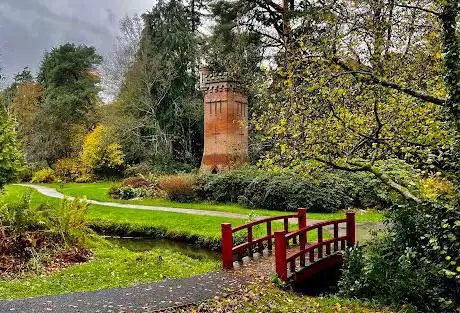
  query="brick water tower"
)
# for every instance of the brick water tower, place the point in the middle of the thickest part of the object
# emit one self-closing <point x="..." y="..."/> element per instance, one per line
<point x="225" y="122"/>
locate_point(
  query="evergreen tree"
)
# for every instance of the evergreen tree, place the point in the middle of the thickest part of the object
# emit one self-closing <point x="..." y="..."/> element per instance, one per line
<point x="9" y="153"/>
<point x="71" y="88"/>
<point x="160" y="91"/>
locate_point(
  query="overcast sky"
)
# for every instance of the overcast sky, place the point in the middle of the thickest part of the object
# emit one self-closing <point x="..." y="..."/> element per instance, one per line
<point x="28" y="28"/>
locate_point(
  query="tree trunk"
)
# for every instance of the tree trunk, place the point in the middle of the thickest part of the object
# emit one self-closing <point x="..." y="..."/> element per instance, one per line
<point x="451" y="49"/>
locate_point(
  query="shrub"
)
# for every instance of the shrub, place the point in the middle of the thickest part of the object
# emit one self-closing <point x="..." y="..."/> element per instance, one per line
<point x="127" y="193"/>
<point x="69" y="170"/>
<point x="46" y="175"/>
<point x="227" y="186"/>
<point x="34" y="236"/>
<point x="136" y="182"/>
<point x="86" y="178"/>
<point x="143" y="169"/>
<point x="289" y="192"/>
<point x="101" y="154"/>
<point x="68" y="220"/>
<point x="415" y="261"/>
<point x="179" y="187"/>
<point x="135" y="187"/>
<point x="434" y="187"/>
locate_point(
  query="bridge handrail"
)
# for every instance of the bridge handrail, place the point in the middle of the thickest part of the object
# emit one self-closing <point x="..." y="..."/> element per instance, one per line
<point x="263" y="220"/>
<point x="282" y="260"/>
<point x="228" y="248"/>
<point x="314" y="226"/>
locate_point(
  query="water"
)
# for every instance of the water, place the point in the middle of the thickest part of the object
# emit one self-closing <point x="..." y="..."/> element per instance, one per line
<point x="142" y="245"/>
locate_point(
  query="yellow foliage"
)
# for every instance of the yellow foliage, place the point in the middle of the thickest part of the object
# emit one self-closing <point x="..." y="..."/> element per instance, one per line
<point x="100" y="150"/>
<point x="434" y="187"/>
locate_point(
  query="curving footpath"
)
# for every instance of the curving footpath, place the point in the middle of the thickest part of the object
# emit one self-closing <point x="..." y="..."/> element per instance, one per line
<point x="53" y="193"/>
<point x="363" y="229"/>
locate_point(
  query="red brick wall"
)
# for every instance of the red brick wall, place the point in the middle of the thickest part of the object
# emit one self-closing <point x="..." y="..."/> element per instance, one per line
<point x="225" y="124"/>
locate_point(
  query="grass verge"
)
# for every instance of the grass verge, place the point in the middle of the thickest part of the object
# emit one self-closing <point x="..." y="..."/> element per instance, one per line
<point x="111" y="267"/>
<point x="202" y="230"/>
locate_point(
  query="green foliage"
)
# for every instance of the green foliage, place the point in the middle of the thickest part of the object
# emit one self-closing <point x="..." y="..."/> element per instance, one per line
<point x="415" y="261"/>
<point x="10" y="156"/>
<point x="71" y="88"/>
<point x="322" y="192"/>
<point x="20" y="216"/>
<point x="227" y="186"/>
<point x="34" y="235"/>
<point x="46" y="175"/>
<point x="159" y="109"/>
<point x="69" y="221"/>
<point x="127" y="193"/>
<point x="230" y="48"/>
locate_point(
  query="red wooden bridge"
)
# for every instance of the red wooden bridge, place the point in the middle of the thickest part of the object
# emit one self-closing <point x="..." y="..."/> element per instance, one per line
<point x="295" y="257"/>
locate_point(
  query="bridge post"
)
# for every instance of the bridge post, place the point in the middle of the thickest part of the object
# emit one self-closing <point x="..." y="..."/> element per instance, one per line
<point x="280" y="255"/>
<point x="351" y="229"/>
<point x="227" y="246"/>
<point x="302" y="216"/>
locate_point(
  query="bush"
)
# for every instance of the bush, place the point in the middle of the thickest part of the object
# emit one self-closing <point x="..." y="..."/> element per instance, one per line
<point x="127" y="193"/>
<point x="34" y="236"/>
<point x="143" y="169"/>
<point x="69" y="170"/>
<point x="101" y="154"/>
<point x="415" y="261"/>
<point x="289" y="192"/>
<point x="227" y="186"/>
<point x="86" y="178"/>
<point x="136" y="182"/>
<point x="46" y="175"/>
<point x="434" y="187"/>
<point x="179" y="187"/>
<point x="135" y="187"/>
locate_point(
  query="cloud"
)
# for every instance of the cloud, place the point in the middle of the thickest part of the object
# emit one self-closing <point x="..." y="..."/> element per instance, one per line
<point x="28" y="28"/>
<point x="45" y="12"/>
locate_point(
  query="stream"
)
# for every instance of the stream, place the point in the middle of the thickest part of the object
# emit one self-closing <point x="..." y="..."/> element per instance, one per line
<point x="141" y="245"/>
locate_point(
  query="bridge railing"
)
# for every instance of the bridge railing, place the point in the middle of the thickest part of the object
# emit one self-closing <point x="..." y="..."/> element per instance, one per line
<point x="283" y="260"/>
<point x="247" y="247"/>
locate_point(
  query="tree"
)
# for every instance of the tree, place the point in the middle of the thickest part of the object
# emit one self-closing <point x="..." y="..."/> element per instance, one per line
<point x="159" y="92"/>
<point x="25" y="107"/>
<point x="122" y="58"/>
<point x="9" y="92"/>
<point x="10" y="155"/>
<point x="71" y="86"/>
<point x="342" y="108"/>
<point x="230" y="49"/>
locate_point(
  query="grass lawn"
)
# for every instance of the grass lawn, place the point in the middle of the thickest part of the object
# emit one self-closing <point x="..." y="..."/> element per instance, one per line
<point x="267" y="298"/>
<point x="204" y="230"/>
<point x="99" y="191"/>
<point x="111" y="267"/>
